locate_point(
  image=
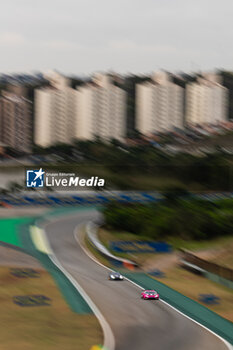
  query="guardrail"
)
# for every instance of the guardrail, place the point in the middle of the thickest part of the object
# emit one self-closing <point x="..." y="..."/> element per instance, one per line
<point x="216" y="269"/>
<point x="91" y="231"/>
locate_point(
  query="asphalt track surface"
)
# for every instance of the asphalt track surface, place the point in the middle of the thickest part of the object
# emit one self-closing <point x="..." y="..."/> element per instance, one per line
<point x="136" y="324"/>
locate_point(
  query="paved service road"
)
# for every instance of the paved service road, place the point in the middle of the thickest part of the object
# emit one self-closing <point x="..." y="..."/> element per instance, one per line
<point x="136" y="324"/>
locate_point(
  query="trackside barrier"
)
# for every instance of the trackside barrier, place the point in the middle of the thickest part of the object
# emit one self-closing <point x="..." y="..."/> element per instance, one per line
<point x="189" y="307"/>
<point x="208" y="266"/>
<point x="91" y="231"/>
<point x="218" y="279"/>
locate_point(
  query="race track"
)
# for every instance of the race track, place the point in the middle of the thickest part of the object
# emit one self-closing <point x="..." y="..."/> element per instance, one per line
<point x="136" y="324"/>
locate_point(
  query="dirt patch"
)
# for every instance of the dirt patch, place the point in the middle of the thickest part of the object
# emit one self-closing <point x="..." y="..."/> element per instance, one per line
<point x="22" y="211"/>
<point x="50" y="327"/>
<point x="221" y="256"/>
<point x="160" y="261"/>
<point x="12" y="257"/>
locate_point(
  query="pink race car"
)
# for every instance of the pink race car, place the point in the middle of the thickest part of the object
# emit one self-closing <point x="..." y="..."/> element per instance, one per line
<point x="149" y="294"/>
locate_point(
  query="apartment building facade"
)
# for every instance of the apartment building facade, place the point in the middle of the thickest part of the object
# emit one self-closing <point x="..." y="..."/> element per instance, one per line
<point x="95" y="109"/>
<point x="159" y="105"/>
<point x="16" y="121"/>
<point x="206" y="101"/>
<point x="55" y="112"/>
<point x="101" y="110"/>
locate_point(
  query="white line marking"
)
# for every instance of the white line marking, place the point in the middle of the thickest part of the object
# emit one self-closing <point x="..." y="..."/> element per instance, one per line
<point x="109" y="340"/>
<point x="90" y="255"/>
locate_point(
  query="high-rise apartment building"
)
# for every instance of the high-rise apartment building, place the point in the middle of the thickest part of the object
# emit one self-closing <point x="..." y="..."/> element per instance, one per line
<point x="55" y="112"/>
<point x="16" y="121"/>
<point x="96" y="109"/>
<point x="159" y="105"/>
<point x="101" y="110"/>
<point x="206" y="101"/>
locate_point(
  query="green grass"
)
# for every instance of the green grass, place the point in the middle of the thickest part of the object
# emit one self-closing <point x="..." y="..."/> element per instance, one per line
<point x="8" y="230"/>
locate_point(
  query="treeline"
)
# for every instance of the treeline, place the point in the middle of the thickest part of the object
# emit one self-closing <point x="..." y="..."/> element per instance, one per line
<point x="123" y="163"/>
<point x="184" y="218"/>
<point x="212" y="171"/>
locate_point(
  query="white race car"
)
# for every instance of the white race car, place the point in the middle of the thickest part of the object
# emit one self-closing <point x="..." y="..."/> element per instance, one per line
<point x="115" y="276"/>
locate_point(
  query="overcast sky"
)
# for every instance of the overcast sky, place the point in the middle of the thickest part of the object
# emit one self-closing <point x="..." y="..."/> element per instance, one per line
<point x="83" y="36"/>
